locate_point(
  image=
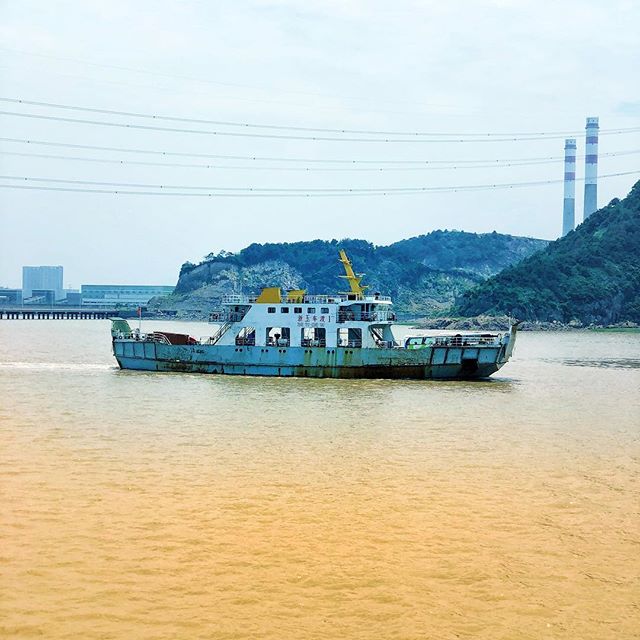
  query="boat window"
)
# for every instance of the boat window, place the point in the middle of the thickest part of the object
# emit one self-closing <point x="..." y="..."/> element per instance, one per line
<point x="297" y="309"/>
<point x="349" y="337"/>
<point x="313" y="337"/>
<point x="284" y="309"/>
<point x="246" y="336"/>
<point x="324" y="310"/>
<point x="311" y="309"/>
<point x="278" y="336"/>
<point x="271" y="310"/>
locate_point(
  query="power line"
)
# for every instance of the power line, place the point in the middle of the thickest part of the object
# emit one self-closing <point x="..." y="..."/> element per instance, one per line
<point x="314" y="169"/>
<point x="252" y="125"/>
<point x="253" y="157"/>
<point x="168" y="190"/>
<point x="489" y="162"/>
<point x="267" y="168"/>
<point x="272" y="136"/>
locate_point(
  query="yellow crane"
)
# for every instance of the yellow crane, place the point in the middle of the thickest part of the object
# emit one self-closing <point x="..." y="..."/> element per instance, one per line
<point x="353" y="278"/>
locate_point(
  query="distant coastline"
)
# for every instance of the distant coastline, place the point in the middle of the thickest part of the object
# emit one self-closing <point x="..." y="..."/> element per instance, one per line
<point x="500" y="323"/>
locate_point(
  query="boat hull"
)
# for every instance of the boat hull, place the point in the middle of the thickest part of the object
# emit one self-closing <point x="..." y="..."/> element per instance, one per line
<point x="422" y="364"/>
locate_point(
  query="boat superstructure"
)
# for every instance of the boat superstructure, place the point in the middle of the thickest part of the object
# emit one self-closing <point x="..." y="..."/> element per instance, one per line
<point x="292" y="333"/>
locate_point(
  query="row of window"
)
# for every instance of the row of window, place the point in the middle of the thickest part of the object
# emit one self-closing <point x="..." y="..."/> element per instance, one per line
<point x="310" y="310"/>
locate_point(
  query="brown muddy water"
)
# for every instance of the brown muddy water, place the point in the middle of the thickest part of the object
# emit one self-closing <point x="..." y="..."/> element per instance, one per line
<point x="141" y="505"/>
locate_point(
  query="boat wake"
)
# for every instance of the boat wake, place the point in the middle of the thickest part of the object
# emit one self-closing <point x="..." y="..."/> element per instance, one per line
<point x="56" y="366"/>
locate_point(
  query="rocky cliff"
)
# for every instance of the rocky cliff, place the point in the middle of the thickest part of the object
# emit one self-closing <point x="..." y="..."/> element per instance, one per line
<point x="425" y="274"/>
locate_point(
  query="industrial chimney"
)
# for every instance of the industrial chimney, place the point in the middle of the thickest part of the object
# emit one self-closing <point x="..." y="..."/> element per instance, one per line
<point x="569" y="207"/>
<point x="591" y="168"/>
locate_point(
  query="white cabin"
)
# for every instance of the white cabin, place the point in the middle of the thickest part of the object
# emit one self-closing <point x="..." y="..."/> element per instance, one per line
<point x="298" y="320"/>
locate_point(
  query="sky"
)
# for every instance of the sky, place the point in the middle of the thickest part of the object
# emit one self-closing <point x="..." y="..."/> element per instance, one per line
<point x="462" y="67"/>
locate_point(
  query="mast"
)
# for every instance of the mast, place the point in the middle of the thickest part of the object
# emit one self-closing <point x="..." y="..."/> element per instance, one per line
<point x="353" y="278"/>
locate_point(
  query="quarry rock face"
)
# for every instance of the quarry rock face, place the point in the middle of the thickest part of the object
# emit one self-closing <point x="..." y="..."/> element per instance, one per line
<point x="425" y="275"/>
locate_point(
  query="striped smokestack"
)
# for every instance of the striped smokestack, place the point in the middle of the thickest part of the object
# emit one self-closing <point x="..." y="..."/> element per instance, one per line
<point x="591" y="168"/>
<point x="569" y="206"/>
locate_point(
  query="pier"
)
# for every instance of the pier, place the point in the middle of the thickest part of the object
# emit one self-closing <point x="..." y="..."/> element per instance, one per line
<point x="23" y="313"/>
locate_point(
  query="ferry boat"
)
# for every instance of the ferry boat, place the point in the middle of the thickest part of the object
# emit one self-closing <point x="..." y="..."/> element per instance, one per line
<point x="292" y="333"/>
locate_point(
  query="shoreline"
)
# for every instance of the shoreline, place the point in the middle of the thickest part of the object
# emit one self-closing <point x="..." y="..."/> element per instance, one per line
<point x="502" y="323"/>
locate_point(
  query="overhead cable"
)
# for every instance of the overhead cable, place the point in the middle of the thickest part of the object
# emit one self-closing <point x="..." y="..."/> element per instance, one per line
<point x="273" y="136"/>
<point x="173" y="190"/>
<point x="253" y="125"/>
<point x="305" y="169"/>
<point x="341" y="161"/>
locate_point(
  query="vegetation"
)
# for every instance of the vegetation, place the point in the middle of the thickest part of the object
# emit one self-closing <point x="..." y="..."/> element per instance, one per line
<point x="592" y="275"/>
<point x="424" y="274"/>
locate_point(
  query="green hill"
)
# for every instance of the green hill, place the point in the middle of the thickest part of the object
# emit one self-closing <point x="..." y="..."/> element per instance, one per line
<point x="591" y="275"/>
<point x="424" y="274"/>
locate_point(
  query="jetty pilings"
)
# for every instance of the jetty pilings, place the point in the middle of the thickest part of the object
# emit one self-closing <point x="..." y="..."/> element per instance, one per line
<point x="57" y="314"/>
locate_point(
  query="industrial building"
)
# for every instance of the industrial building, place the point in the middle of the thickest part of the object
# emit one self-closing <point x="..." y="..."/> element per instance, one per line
<point x="46" y="297"/>
<point x="42" y="278"/>
<point x="42" y="285"/>
<point x="10" y="296"/>
<point x="72" y="297"/>
<point x="124" y="295"/>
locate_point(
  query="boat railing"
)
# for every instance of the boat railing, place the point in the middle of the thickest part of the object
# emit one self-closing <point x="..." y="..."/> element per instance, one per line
<point x="238" y="298"/>
<point x="225" y="315"/>
<point x="156" y="337"/>
<point x="222" y="329"/>
<point x="310" y="342"/>
<point x="351" y="344"/>
<point x="152" y="336"/>
<point x="280" y="342"/>
<point x="321" y="299"/>
<point x="120" y="335"/>
<point x="459" y="340"/>
<point x="348" y="315"/>
<point x="383" y="315"/>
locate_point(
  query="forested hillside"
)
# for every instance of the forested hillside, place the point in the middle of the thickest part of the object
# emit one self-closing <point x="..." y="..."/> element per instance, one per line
<point x="424" y="274"/>
<point x="591" y="275"/>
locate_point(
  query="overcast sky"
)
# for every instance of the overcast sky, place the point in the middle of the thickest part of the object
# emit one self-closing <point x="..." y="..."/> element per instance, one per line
<point x="465" y="66"/>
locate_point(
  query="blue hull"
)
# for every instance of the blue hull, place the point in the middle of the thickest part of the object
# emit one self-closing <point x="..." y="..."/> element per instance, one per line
<point x="318" y="362"/>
